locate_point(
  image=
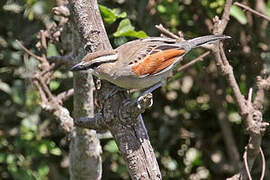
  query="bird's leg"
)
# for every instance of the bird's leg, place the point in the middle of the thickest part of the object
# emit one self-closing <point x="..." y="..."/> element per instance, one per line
<point x="151" y="89"/>
<point x="115" y="89"/>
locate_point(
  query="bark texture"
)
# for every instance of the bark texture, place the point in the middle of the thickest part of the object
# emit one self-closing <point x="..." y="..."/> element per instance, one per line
<point x="119" y="115"/>
<point x="85" y="149"/>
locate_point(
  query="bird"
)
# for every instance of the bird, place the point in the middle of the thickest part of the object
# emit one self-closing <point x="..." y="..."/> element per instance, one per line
<point x="142" y="63"/>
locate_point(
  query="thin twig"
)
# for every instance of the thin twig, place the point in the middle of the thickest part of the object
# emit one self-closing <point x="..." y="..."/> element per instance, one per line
<point x="166" y="32"/>
<point x="252" y="10"/>
<point x="45" y="88"/>
<point x="65" y="95"/>
<point x="249" y="100"/>
<point x="41" y="92"/>
<point x="50" y="69"/>
<point x="228" y="73"/>
<point x="61" y="11"/>
<point x="246" y="165"/>
<point x="43" y="36"/>
<point x="28" y="51"/>
<point x="200" y="58"/>
<point x="246" y="109"/>
<point x="225" y="17"/>
<point x="263" y="164"/>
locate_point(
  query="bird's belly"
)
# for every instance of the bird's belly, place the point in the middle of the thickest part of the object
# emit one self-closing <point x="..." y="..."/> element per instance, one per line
<point x="135" y="82"/>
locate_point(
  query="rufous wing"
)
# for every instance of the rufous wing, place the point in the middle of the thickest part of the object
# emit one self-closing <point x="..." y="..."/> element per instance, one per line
<point x="155" y="63"/>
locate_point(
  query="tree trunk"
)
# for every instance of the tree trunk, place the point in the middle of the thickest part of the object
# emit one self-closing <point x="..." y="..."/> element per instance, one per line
<point x="120" y="116"/>
<point x="85" y="149"/>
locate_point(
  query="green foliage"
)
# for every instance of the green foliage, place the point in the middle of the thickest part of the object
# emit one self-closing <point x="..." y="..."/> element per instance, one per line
<point x="5" y="87"/>
<point x="111" y="147"/>
<point x="25" y="152"/>
<point x="169" y="11"/>
<point x="111" y="15"/>
<point x="54" y="85"/>
<point x="267" y="10"/>
<point x="238" y="14"/>
<point x="52" y="51"/>
<point x="126" y="29"/>
<point x="183" y="122"/>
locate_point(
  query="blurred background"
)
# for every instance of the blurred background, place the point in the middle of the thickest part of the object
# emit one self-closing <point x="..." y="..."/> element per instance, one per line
<point x="192" y="117"/>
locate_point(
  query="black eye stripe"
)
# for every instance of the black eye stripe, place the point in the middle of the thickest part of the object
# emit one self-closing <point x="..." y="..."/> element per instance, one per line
<point x="96" y="64"/>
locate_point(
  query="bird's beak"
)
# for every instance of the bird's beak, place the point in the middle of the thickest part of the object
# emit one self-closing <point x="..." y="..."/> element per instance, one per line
<point x="79" y="67"/>
<point x="199" y="41"/>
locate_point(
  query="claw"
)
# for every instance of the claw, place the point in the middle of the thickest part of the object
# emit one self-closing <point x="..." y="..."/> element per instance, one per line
<point x="149" y="91"/>
<point x="143" y="99"/>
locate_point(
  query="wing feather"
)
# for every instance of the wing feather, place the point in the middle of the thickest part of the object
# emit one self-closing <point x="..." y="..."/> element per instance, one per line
<point x="156" y="62"/>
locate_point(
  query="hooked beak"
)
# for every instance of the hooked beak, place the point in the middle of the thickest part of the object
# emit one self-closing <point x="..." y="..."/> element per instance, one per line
<point x="79" y="67"/>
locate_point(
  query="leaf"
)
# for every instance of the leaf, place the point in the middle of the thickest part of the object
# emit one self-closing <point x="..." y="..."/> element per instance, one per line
<point x="238" y="14"/>
<point x="111" y="15"/>
<point x="267" y="9"/>
<point x="234" y="117"/>
<point x="56" y="151"/>
<point x="30" y="122"/>
<point x="18" y="92"/>
<point x="171" y="164"/>
<point x="122" y="15"/>
<point x="2" y="157"/>
<point x="43" y="149"/>
<point x="107" y="14"/>
<point x="10" y="159"/>
<point x="43" y="170"/>
<point x="28" y="136"/>
<point x="52" y="51"/>
<point x="13" y="7"/>
<point x="111" y="147"/>
<point x="54" y="85"/>
<point x="5" y="87"/>
<point x="39" y="8"/>
<point x="126" y="29"/>
<point x="161" y="8"/>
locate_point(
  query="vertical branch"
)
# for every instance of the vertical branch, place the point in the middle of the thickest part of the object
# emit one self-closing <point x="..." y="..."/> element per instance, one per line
<point x="128" y="130"/>
<point x="250" y="115"/>
<point x="90" y="25"/>
<point x="85" y="149"/>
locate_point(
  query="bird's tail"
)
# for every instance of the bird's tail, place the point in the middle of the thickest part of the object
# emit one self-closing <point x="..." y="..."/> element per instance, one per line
<point x="199" y="41"/>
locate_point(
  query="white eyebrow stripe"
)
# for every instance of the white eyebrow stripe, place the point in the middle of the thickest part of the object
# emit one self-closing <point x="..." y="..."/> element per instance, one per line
<point x="104" y="58"/>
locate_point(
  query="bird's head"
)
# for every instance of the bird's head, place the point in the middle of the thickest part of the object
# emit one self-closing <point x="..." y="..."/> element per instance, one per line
<point x="94" y="60"/>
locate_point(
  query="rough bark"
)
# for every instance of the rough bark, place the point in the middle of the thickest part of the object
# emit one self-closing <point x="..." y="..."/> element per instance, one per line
<point x="120" y="116"/>
<point x="85" y="149"/>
